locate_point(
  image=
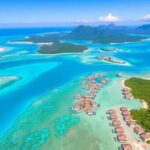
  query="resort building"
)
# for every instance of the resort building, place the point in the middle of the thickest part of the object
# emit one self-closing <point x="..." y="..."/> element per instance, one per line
<point x="127" y="147"/>
<point x="138" y="130"/>
<point x="122" y="138"/>
<point x="131" y="123"/>
<point x="123" y="109"/>
<point x="145" y="137"/>
<point x="119" y="130"/>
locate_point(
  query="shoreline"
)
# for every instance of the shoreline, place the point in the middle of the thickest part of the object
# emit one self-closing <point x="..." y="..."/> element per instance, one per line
<point x="144" y="103"/>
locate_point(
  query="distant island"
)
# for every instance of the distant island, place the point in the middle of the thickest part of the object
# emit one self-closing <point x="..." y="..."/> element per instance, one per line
<point x="45" y="38"/>
<point x="101" y="34"/>
<point x="50" y="43"/>
<point x="58" y="47"/>
<point x="140" y="90"/>
<point x="111" y="60"/>
<point x="108" y="33"/>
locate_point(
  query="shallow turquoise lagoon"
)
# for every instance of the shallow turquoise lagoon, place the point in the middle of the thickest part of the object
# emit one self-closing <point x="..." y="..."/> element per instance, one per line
<point x="34" y="111"/>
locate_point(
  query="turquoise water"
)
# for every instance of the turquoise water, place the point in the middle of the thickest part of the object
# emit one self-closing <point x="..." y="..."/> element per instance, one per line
<point x="35" y="110"/>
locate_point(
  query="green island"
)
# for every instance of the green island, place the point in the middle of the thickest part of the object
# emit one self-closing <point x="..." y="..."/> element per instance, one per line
<point x="45" y="38"/>
<point x="140" y="90"/>
<point x="112" y="60"/>
<point x="101" y="34"/>
<point x="57" y="48"/>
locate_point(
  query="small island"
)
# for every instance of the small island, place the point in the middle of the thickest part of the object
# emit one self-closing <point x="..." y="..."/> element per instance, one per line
<point x="141" y="90"/>
<point x="57" y="48"/>
<point x="6" y="81"/>
<point x="108" y="50"/>
<point x="50" y="44"/>
<point x="45" y="38"/>
<point x="111" y="60"/>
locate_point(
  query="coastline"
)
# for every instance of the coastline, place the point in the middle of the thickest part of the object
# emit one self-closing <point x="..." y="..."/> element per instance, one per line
<point x="144" y="103"/>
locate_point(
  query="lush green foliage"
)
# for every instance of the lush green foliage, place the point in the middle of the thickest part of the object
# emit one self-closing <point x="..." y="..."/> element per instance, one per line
<point x="141" y="90"/>
<point x="142" y="117"/>
<point x="61" y="48"/>
<point x="148" y="142"/>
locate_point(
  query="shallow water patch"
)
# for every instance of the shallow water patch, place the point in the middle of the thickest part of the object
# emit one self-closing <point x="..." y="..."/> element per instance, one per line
<point x="35" y="139"/>
<point x="63" y="124"/>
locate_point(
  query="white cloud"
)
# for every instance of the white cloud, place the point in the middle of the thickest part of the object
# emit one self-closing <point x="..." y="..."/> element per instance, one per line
<point x="146" y="18"/>
<point x="109" y="18"/>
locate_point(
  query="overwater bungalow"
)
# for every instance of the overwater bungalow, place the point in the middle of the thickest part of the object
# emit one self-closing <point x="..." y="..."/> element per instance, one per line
<point x="128" y="96"/>
<point x="119" y="130"/>
<point x="79" y="96"/>
<point x="122" y="138"/>
<point x="96" y="87"/>
<point x="131" y="123"/>
<point x="94" y="104"/>
<point x="77" y="108"/>
<point x="89" y="112"/>
<point x="113" y="120"/>
<point x="111" y="110"/>
<point x="125" y="93"/>
<point x="126" y="118"/>
<point x="125" y="89"/>
<point x="127" y="147"/>
<point x="145" y="137"/>
<point x="116" y="124"/>
<point x="123" y="109"/>
<point x="112" y="113"/>
<point x="138" y="130"/>
<point x="92" y="96"/>
<point x="103" y="82"/>
<point x="125" y="113"/>
<point x="113" y="117"/>
<point x="81" y="103"/>
<point x="94" y="91"/>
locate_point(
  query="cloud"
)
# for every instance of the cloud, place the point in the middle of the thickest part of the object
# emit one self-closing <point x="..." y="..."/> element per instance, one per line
<point x="109" y="18"/>
<point x="146" y="18"/>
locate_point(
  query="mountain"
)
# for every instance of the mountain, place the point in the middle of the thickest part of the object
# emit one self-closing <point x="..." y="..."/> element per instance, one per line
<point x="104" y="34"/>
<point x="101" y="34"/>
<point x="144" y="29"/>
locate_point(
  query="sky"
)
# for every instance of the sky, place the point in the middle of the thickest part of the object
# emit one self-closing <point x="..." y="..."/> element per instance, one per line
<point x="73" y="12"/>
